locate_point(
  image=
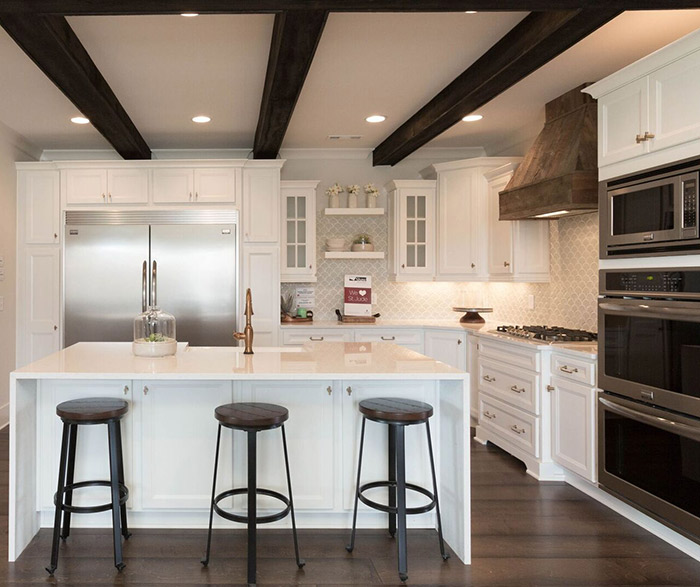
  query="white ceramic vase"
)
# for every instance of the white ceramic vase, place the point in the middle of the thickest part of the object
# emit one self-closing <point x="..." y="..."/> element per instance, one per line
<point x="352" y="200"/>
<point x="371" y="201"/>
<point x="334" y="201"/>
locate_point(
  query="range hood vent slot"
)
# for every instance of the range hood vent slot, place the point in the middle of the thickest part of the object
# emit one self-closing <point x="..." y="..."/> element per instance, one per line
<point x="560" y="171"/>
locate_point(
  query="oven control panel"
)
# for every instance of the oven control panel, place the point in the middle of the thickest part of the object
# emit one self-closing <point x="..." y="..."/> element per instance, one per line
<point x="652" y="282"/>
<point x="690" y="203"/>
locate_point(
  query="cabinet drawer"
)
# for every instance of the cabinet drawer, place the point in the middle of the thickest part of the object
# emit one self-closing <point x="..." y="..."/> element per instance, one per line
<point x="513" y="385"/>
<point x="574" y="369"/>
<point x="511" y="354"/>
<point x="517" y="427"/>
<point x="402" y="336"/>
<point x="298" y="337"/>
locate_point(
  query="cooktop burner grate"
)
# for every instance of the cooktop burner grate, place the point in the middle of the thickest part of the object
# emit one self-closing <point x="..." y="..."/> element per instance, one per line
<point x="548" y="333"/>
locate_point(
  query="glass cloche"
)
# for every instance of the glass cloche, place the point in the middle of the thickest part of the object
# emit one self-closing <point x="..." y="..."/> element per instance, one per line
<point x="154" y="334"/>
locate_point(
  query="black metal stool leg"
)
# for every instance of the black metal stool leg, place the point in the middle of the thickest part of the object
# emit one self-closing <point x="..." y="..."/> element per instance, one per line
<point x="351" y="546"/>
<point x="59" y="501"/>
<point x="72" y="443"/>
<point x="300" y="562"/>
<point x="120" y="468"/>
<point x="445" y="556"/>
<point x="401" y="499"/>
<point x="114" y="484"/>
<point x="252" y="505"/>
<point x="392" y="478"/>
<point x="205" y="560"/>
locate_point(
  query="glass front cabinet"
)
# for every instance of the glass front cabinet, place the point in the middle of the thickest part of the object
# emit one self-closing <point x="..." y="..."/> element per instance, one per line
<point x="411" y="229"/>
<point x="298" y="247"/>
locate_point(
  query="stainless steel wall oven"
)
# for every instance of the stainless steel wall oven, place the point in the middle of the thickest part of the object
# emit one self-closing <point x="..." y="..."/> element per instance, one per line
<point x="649" y="411"/>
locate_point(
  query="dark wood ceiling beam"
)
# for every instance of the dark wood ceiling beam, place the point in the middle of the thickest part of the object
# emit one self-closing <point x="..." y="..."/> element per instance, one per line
<point x="54" y="47"/>
<point x="537" y="39"/>
<point x="115" y="7"/>
<point x="295" y="37"/>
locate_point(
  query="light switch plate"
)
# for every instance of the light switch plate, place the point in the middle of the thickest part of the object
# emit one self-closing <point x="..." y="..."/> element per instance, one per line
<point x="2" y="261"/>
<point x="2" y="275"/>
<point x="2" y="303"/>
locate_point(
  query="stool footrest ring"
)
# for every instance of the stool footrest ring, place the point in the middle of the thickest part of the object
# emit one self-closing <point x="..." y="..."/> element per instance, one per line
<point x="92" y="509"/>
<point x="259" y="519"/>
<point x="394" y="510"/>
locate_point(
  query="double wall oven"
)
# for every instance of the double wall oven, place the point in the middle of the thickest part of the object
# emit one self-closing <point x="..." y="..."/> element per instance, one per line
<point x="649" y="411"/>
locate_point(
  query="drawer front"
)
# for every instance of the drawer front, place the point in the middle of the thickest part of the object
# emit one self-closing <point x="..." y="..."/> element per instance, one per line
<point x="402" y="336"/>
<point x="573" y="369"/>
<point x="511" y="384"/>
<point x="512" y="354"/>
<point x="299" y="337"/>
<point x="517" y="427"/>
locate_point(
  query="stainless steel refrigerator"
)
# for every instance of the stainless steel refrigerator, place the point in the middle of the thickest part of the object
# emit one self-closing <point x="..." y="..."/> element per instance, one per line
<point x="106" y="282"/>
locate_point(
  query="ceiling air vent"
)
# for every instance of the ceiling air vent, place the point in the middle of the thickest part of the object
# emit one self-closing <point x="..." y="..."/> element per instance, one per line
<point x="344" y="137"/>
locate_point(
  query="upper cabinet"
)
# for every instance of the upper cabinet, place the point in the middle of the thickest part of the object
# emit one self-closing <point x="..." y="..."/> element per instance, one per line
<point x="411" y="229"/>
<point x="217" y="185"/>
<point x="106" y="186"/>
<point x="298" y="231"/>
<point x="39" y="207"/>
<point x="647" y="112"/>
<point x="261" y="203"/>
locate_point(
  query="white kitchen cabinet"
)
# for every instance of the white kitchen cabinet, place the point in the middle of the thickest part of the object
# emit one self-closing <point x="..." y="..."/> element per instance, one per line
<point x="412" y="235"/>
<point x="517" y="250"/>
<point x="39" y="207"/>
<point x="261" y="204"/>
<point x="169" y="436"/>
<point x="473" y="369"/>
<point x="314" y="421"/>
<point x="216" y="185"/>
<point x="447" y="346"/>
<point x="300" y="336"/>
<point x="411" y="339"/>
<point x="261" y="268"/>
<point x="106" y="186"/>
<point x="298" y="231"/>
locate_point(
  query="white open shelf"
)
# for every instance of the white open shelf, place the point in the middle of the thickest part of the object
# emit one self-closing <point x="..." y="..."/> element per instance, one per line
<point x="354" y="255"/>
<point x="354" y="211"/>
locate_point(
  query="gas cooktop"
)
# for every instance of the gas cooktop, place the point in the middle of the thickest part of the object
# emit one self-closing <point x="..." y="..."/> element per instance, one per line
<point x="548" y="333"/>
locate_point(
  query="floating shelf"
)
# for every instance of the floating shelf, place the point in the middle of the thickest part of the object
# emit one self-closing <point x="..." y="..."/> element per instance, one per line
<point x="354" y="255"/>
<point x="354" y="211"/>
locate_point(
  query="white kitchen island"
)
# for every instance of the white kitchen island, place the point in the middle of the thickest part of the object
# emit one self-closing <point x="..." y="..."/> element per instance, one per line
<point x="169" y="433"/>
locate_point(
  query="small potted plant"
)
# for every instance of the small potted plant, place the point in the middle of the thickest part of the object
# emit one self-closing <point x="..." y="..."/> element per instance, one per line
<point x="352" y="190"/>
<point x="333" y="194"/>
<point x="362" y="242"/>
<point x="372" y="195"/>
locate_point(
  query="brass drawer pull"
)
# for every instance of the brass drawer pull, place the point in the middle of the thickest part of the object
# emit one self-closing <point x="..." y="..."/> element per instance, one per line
<point x="329" y="389"/>
<point x="145" y="390"/>
<point x="517" y="430"/>
<point x="489" y="379"/>
<point x="388" y="338"/>
<point x="349" y="390"/>
<point x="550" y="388"/>
<point x="567" y="369"/>
<point x="517" y="389"/>
<point x="126" y="389"/>
<point x="649" y="135"/>
<point x="489" y="415"/>
<point x="316" y="338"/>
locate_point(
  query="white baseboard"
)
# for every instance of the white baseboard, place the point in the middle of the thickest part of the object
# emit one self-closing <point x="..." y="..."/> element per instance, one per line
<point x="4" y="415"/>
<point x="656" y="528"/>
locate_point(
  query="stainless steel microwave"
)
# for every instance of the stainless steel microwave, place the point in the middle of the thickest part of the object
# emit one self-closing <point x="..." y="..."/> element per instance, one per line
<point x="654" y="213"/>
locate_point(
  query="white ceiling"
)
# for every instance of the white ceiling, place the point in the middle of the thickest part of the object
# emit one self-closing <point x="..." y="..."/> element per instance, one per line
<point x="166" y="69"/>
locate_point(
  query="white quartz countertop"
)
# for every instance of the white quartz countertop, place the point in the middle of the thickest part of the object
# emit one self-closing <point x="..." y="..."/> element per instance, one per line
<point x="325" y="360"/>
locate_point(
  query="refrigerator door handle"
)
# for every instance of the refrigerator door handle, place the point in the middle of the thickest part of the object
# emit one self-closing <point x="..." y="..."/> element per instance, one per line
<point x="154" y="285"/>
<point x="144" y="287"/>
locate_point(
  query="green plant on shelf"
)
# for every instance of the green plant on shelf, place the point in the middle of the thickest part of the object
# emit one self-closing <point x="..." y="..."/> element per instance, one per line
<point x="362" y="239"/>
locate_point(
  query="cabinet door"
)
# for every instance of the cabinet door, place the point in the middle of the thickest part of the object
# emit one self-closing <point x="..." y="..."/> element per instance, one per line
<point x="261" y="191"/>
<point x="127" y="186"/>
<point x="673" y="105"/>
<point x="458" y="223"/>
<point x="173" y="186"/>
<point x="298" y="234"/>
<point x="473" y="368"/>
<point x="448" y="347"/>
<point x="416" y="224"/>
<point x="622" y="115"/>
<point x="39" y="205"/>
<point x="41" y="302"/>
<point x="573" y="427"/>
<point x="176" y="436"/>
<point x="500" y="232"/>
<point x="261" y="268"/>
<point x="375" y="459"/>
<point x="216" y="185"/>
<point x="92" y="454"/>
<point x="86" y="186"/>
<point x="311" y="431"/>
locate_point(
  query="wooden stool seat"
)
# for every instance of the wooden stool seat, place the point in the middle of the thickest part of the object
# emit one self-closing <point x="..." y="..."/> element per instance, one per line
<point x="247" y="415"/>
<point x="387" y="409"/>
<point x="92" y="409"/>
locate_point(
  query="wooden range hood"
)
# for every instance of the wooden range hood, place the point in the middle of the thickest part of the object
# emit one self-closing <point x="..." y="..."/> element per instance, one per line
<point x="560" y="171"/>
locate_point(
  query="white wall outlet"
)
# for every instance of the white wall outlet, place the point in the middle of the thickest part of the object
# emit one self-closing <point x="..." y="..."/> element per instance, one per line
<point x="2" y="261"/>
<point x="2" y="303"/>
<point x="2" y="275"/>
<point x="530" y="302"/>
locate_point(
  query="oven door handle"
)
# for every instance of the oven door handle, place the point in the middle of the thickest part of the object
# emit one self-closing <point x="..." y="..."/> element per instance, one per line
<point x="646" y="309"/>
<point x="656" y="421"/>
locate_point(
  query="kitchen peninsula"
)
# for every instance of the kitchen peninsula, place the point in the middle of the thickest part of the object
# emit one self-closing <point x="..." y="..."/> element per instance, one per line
<point x="169" y="434"/>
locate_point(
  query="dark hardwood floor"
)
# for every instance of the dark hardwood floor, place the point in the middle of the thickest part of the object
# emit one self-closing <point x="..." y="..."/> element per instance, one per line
<point x="524" y="533"/>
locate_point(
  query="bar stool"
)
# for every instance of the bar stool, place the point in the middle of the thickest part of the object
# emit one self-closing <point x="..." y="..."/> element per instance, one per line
<point x="87" y="412"/>
<point x="252" y="418"/>
<point x="397" y="413"/>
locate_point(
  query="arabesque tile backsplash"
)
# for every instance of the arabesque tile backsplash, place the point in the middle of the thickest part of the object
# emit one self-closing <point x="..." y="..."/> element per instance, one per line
<point x="569" y="299"/>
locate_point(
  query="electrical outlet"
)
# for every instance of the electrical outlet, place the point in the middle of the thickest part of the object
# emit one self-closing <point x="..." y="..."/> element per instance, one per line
<point x="2" y="261"/>
<point x="2" y="303"/>
<point x="2" y="275"/>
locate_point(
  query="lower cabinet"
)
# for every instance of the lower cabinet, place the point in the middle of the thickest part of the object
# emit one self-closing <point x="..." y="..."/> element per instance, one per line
<point x="447" y="346"/>
<point x="411" y="339"/>
<point x="301" y="336"/>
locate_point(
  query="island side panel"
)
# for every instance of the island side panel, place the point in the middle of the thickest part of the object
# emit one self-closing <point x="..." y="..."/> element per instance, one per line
<point x="23" y="519"/>
<point x="454" y="474"/>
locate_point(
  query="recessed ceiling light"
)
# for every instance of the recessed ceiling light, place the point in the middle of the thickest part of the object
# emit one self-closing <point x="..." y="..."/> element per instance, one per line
<point x="376" y="118"/>
<point x="201" y="119"/>
<point x="472" y="118"/>
<point x="189" y="14"/>
<point x="80" y="120"/>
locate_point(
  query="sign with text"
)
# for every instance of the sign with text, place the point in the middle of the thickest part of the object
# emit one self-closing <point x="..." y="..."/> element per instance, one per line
<point x="358" y="295"/>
